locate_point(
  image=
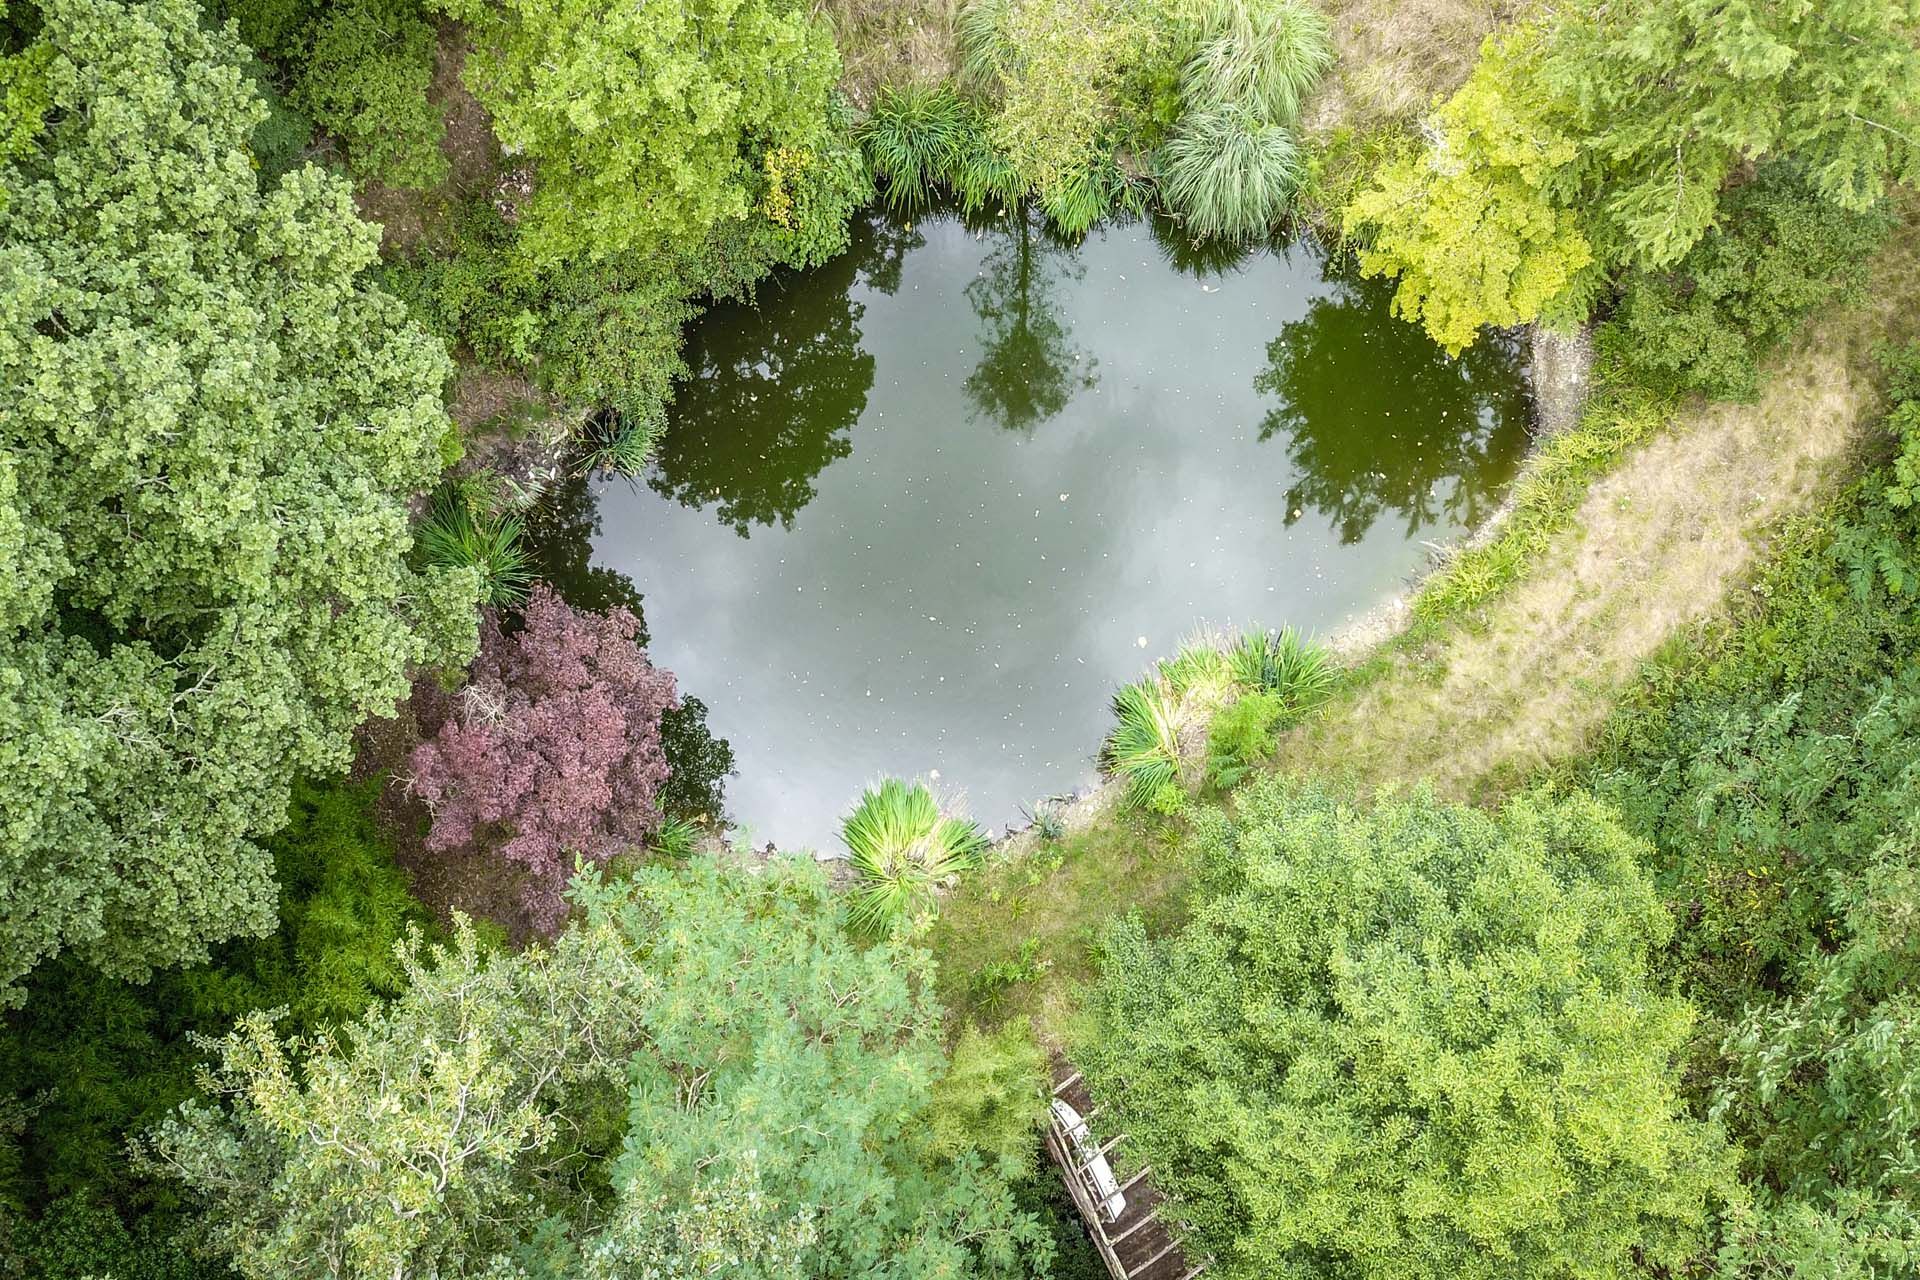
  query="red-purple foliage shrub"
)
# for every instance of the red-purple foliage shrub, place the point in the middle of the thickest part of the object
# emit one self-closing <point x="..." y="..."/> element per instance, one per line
<point x="551" y="749"/>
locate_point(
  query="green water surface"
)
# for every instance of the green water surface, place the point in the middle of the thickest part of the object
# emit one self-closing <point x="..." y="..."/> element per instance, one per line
<point x="920" y="512"/>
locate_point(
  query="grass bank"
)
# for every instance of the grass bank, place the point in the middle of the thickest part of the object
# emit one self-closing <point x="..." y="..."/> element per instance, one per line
<point x="1633" y="529"/>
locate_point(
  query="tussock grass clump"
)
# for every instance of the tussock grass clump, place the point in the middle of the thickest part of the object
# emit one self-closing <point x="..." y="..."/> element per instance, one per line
<point x="1231" y="168"/>
<point x="1200" y="670"/>
<point x="1300" y="672"/>
<point x="1263" y="56"/>
<point x="454" y="536"/>
<point x="914" y="137"/>
<point x="1230" y="173"/>
<point x="903" y="848"/>
<point x="613" y="445"/>
<point x="677" y="838"/>
<point x="1144" y="747"/>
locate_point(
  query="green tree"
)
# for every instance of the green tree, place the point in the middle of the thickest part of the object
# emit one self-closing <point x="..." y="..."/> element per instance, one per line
<point x="364" y="76"/>
<point x="1480" y="228"/>
<point x="702" y="1073"/>
<point x="654" y="122"/>
<point x="1604" y="137"/>
<point x="1410" y="1041"/>
<point x="212" y="427"/>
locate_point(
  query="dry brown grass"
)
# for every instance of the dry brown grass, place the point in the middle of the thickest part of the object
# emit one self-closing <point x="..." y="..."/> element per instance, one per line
<point x="892" y="42"/>
<point x="1396" y="56"/>
<point x="1656" y="546"/>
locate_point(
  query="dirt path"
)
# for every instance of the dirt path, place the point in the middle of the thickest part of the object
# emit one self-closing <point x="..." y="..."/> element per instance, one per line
<point x="1657" y="545"/>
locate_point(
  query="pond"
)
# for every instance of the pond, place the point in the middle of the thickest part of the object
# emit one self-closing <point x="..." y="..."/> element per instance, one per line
<point x="921" y="511"/>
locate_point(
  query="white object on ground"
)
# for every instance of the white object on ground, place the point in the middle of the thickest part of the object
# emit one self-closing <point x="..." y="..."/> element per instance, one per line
<point x="1098" y="1173"/>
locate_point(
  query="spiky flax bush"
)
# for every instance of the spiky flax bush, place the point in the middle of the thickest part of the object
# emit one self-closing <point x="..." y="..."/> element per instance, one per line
<point x="455" y="536"/>
<point x="1300" y="671"/>
<point x="1144" y="747"/>
<point x="903" y="848"/>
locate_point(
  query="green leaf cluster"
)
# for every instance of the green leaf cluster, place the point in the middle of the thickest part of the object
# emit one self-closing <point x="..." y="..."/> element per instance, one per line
<point x="657" y="123"/>
<point x="1084" y="98"/>
<point x="213" y="424"/>
<point x="363" y="74"/>
<point x="1602" y="136"/>
<point x="601" y="332"/>
<point x="702" y="1075"/>
<point x="1779" y="251"/>
<point x="1410" y="1040"/>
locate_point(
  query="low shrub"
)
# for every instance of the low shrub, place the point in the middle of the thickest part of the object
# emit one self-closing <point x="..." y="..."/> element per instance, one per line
<point x="364" y="78"/>
<point x="1241" y="737"/>
<point x="992" y="1098"/>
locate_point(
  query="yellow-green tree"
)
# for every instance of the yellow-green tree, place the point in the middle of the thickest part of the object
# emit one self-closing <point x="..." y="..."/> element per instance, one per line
<point x="1603" y="139"/>
<point x="652" y="122"/>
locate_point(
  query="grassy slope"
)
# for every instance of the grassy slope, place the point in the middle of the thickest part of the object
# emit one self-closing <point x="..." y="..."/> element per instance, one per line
<point x="1478" y="703"/>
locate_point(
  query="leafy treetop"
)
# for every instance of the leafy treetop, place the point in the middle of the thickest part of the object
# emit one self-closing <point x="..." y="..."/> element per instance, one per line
<point x="653" y="122"/>
<point x="212" y="425"/>
<point x="1410" y="1041"/>
<point x="703" y="1074"/>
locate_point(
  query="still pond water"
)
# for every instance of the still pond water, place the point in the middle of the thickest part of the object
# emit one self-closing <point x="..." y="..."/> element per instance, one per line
<point x="921" y="511"/>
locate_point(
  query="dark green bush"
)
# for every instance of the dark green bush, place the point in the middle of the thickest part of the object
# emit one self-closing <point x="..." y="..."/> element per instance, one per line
<point x="1778" y="252"/>
<point x="364" y="76"/>
<point x="97" y="1059"/>
<point x="80" y="1239"/>
<point x="602" y="335"/>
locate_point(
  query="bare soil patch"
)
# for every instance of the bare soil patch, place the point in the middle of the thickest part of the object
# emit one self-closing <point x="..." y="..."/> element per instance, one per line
<point x="410" y="219"/>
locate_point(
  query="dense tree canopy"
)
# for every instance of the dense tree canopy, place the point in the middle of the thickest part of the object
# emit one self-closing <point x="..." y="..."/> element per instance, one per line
<point x="212" y="426"/>
<point x="653" y="122"/>
<point x="1411" y="1041"/>
<point x="550" y="752"/>
<point x="1603" y="138"/>
<point x="703" y="1075"/>
<point x="1776" y="771"/>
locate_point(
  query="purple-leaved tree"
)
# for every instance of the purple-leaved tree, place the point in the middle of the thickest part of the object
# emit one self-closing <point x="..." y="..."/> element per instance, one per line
<point x="551" y="749"/>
